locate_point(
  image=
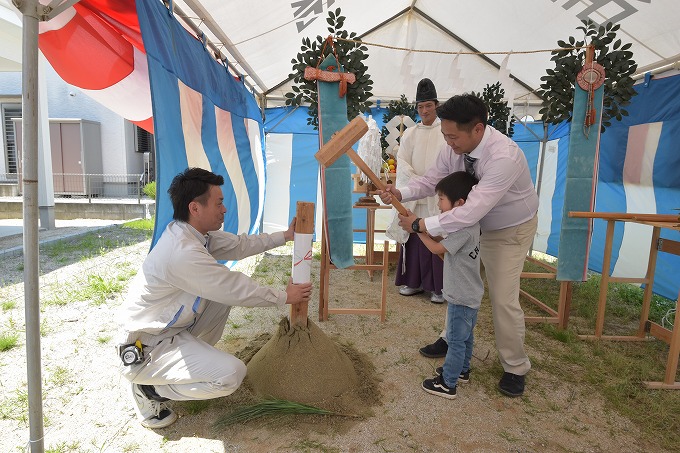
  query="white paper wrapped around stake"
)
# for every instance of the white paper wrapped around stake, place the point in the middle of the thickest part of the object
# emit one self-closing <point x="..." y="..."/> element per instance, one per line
<point x="302" y="257"/>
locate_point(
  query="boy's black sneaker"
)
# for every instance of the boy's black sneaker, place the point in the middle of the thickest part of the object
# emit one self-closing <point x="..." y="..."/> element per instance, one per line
<point x="436" y="386"/>
<point x="463" y="377"/>
<point x="435" y="350"/>
<point x="511" y="385"/>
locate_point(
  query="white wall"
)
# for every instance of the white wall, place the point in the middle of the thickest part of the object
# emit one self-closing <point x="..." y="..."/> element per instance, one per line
<point x="67" y="101"/>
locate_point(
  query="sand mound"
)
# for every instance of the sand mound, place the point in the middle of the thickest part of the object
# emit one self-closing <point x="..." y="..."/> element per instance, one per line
<point x="304" y="365"/>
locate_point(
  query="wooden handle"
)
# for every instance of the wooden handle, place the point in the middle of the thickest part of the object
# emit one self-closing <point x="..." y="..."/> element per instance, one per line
<point x="359" y="162"/>
<point x="304" y="224"/>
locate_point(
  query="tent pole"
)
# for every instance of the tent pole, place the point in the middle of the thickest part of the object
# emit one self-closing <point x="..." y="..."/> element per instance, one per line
<point x="539" y="174"/>
<point x="29" y="177"/>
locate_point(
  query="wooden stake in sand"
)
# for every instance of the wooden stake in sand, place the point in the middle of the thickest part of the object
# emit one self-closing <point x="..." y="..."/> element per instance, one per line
<point x="302" y="257"/>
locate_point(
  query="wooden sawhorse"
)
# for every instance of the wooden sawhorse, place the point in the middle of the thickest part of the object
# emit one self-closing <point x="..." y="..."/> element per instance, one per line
<point x="658" y="244"/>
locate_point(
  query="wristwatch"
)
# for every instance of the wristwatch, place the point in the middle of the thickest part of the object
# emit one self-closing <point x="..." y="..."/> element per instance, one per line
<point x="415" y="226"/>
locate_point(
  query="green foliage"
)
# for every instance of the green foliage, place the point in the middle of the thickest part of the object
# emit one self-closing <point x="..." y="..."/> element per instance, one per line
<point x="499" y="112"/>
<point x="268" y="408"/>
<point x="557" y="88"/>
<point x="351" y="56"/>
<point x="396" y="108"/>
<point x="140" y="224"/>
<point x="8" y="341"/>
<point x="16" y="407"/>
<point x="150" y="190"/>
<point x="64" y="447"/>
<point x="196" y="407"/>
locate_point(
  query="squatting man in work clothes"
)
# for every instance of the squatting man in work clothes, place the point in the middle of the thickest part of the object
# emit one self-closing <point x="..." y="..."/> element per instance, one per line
<point x="178" y="304"/>
<point x="505" y="205"/>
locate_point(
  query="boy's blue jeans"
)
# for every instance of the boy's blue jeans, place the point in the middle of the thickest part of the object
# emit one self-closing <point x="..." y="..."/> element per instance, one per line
<point x="461" y="322"/>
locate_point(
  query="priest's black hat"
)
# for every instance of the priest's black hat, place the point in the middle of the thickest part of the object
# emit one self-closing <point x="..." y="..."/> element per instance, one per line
<point x="426" y="91"/>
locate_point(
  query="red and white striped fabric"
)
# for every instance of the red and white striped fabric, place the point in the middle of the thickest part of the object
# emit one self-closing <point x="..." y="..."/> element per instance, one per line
<point x="96" y="45"/>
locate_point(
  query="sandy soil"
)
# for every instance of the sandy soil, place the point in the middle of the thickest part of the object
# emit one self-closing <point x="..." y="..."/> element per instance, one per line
<point x="86" y="407"/>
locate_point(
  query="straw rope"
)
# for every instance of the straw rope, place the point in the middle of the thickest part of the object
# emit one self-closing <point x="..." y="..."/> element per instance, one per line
<point x="447" y="52"/>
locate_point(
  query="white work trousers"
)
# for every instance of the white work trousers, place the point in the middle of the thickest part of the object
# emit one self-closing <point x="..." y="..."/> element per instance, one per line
<point x="187" y="366"/>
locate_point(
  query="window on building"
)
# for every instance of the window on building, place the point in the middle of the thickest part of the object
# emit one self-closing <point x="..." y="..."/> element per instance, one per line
<point x="9" y="111"/>
<point x="144" y="144"/>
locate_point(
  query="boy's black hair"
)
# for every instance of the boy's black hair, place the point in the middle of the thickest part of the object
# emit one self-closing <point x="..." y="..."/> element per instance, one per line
<point x="192" y="184"/>
<point x="457" y="185"/>
<point x="465" y="110"/>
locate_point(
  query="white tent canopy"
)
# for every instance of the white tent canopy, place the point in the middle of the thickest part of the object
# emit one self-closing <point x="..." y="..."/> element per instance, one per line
<point x="261" y="38"/>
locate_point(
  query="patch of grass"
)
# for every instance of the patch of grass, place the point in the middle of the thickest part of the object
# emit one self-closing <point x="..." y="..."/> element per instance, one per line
<point x="103" y="339"/>
<point x="96" y="288"/>
<point x="403" y="360"/>
<point x="45" y="327"/>
<point x="195" y="407"/>
<point x="101" y="288"/>
<point x="58" y="376"/>
<point x="64" y="447"/>
<point x="309" y="446"/>
<point x="16" y="407"/>
<point x="507" y="436"/>
<point x="615" y="370"/>
<point x="8" y="341"/>
<point x="131" y="447"/>
<point x="8" y="305"/>
<point x="140" y="224"/>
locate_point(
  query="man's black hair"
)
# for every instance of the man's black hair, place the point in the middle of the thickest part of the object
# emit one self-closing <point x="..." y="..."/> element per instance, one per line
<point x="457" y="185"/>
<point x="192" y="184"/>
<point x="465" y="110"/>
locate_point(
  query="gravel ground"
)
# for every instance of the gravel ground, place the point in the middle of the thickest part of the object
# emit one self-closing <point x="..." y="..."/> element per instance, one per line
<point x="86" y="407"/>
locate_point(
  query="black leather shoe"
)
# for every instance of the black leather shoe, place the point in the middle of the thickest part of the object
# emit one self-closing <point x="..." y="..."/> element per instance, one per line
<point x="511" y="385"/>
<point x="435" y="350"/>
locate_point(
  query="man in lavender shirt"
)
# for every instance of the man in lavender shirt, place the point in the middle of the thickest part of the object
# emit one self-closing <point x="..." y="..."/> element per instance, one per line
<point x="505" y="205"/>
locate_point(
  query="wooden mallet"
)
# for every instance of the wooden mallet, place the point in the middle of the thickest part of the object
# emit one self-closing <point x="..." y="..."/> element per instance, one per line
<point x="341" y="143"/>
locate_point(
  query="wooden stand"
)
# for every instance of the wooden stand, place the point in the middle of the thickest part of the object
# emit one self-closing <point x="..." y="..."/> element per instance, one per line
<point x="304" y="224"/>
<point x="559" y="317"/>
<point x="327" y="266"/>
<point x="671" y="337"/>
<point x="371" y="255"/>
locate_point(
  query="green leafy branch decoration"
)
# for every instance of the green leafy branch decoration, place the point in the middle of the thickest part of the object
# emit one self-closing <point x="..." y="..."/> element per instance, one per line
<point x="499" y="112"/>
<point x="351" y="56"/>
<point x="557" y="88"/>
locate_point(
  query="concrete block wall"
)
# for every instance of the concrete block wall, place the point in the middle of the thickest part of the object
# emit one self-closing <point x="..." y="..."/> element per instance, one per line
<point x="64" y="210"/>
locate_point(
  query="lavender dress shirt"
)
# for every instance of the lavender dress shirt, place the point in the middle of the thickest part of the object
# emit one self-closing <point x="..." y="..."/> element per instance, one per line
<point x="504" y="197"/>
